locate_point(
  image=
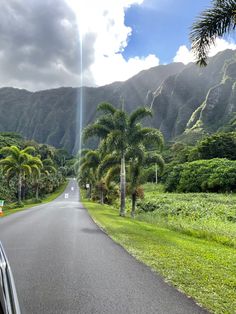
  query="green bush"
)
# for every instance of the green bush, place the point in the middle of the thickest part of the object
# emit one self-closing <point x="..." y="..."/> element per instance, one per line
<point x="215" y="175"/>
<point x="218" y="145"/>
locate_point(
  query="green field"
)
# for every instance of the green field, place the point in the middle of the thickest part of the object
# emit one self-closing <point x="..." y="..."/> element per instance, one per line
<point x="193" y="250"/>
<point x="206" y="215"/>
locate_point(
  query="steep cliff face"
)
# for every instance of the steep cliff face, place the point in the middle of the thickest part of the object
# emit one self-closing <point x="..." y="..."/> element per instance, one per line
<point x="53" y="116"/>
<point x="186" y="101"/>
<point x="196" y="98"/>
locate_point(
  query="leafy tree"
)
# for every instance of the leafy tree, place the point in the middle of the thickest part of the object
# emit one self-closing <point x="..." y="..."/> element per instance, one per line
<point x="121" y="131"/>
<point x="220" y="19"/>
<point x="219" y="145"/>
<point x="214" y="175"/>
<point x="18" y="163"/>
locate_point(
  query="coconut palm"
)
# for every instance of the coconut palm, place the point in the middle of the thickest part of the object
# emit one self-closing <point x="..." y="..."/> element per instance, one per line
<point x="121" y="131"/>
<point x="220" y="19"/>
<point x="17" y="163"/>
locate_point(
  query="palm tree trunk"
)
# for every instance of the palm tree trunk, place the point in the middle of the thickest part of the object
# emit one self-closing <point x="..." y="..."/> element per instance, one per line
<point x="19" y="188"/>
<point x="156" y="173"/>
<point x="102" y="196"/>
<point x="90" y="191"/>
<point x="122" y="187"/>
<point x="37" y="191"/>
<point x="133" y="204"/>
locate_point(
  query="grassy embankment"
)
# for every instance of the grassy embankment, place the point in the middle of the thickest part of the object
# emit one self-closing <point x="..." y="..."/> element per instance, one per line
<point x="198" y="263"/>
<point x="32" y="203"/>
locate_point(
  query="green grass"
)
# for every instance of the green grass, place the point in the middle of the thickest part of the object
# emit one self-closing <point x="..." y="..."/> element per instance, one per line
<point x="31" y="203"/>
<point x="205" y="215"/>
<point x="203" y="269"/>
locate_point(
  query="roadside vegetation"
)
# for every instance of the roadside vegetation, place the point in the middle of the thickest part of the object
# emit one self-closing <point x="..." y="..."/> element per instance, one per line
<point x="183" y="215"/>
<point x="29" y="203"/>
<point x="204" y="270"/>
<point x="30" y="172"/>
<point x="210" y="216"/>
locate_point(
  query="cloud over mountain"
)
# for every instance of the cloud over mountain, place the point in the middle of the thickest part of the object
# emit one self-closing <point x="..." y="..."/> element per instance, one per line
<point x="40" y="43"/>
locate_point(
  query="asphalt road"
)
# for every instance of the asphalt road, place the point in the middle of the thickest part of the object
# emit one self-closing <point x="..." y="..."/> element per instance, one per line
<point x="63" y="263"/>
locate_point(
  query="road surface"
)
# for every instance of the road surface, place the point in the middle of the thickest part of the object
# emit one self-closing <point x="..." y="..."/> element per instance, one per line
<point x="63" y="263"/>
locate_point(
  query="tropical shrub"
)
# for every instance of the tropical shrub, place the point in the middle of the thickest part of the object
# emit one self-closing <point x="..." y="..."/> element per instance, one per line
<point x="215" y="175"/>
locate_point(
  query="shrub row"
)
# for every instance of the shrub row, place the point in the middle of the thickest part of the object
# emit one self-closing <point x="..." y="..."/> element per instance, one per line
<point x="214" y="175"/>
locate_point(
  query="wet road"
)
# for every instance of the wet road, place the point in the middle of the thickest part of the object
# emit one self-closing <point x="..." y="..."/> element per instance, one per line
<point x="63" y="263"/>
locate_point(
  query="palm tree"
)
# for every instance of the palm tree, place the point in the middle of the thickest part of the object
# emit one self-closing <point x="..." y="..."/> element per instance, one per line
<point x="39" y="168"/>
<point x="36" y="166"/>
<point x="119" y="132"/>
<point x="214" y="22"/>
<point x="17" y="163"/>
<point x="90" y="163"/>
<point x="139" y="170"/>
<point x="138" y="164"/>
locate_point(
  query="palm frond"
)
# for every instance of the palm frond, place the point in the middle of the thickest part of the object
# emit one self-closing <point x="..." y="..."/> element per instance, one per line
<point x="152" y="138"/>
<point x="138" y="115"/>
<point x="155" y="159"/>
<point x="93" y="157"/>
<point x="35" y="161"/>
<point x="135" y="153"/>
<point x="35" y="170"/>
<point x="12" y="150"/>
<point x="212" y="23"/>
<point x="95" y="130"/>
<point x="8" y="161"/>
<point x="29" y="150"/>
<point x="27" y="169"/>
<point x="115" y="140"/>
<point x="121" y="120"/>
<point x="106" y="121"/>
<point x="108" y="162"/>
<point x="111" y="175"/>
<point x="106" y="107"/>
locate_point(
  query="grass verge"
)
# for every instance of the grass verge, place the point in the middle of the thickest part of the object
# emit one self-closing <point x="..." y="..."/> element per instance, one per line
<point x="47" y="199"/>
<point x="204" y="270"/>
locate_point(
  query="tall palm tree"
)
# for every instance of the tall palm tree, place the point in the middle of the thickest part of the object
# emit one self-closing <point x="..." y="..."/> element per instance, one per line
<point x="119" y="132"/>
<point x="90" y="163"/>
<point x="17" y="163"/>
<point x="139" y="169"/>
<point x="138" y="164"/>
<point x="220" y="19"/>
<point x="39" y="168"/>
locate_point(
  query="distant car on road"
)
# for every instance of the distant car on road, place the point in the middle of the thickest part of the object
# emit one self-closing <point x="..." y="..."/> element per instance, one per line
<point x="8" y="296"/>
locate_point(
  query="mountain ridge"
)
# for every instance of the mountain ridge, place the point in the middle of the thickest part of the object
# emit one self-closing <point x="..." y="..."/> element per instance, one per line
<point x="183" y="99"/>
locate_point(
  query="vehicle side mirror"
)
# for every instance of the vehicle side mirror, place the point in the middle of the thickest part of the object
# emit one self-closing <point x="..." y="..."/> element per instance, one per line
<point x="8" y="297"/>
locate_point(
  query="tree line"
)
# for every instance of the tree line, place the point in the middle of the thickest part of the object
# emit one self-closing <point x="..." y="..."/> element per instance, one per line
<point x="30" y="170"/>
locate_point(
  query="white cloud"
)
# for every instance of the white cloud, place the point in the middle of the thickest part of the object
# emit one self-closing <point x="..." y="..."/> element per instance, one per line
<point x="40" y="43"/>
<point x="185" y="55"/>
<point x="106" y="20"/>
<point x="116" y="68"/>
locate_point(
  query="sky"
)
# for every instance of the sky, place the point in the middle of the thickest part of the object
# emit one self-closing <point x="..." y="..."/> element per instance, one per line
<point x="52" y="43"/>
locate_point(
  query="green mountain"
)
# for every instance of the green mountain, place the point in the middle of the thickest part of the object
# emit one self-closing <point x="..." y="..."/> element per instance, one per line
<point x="187" y="101"/>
